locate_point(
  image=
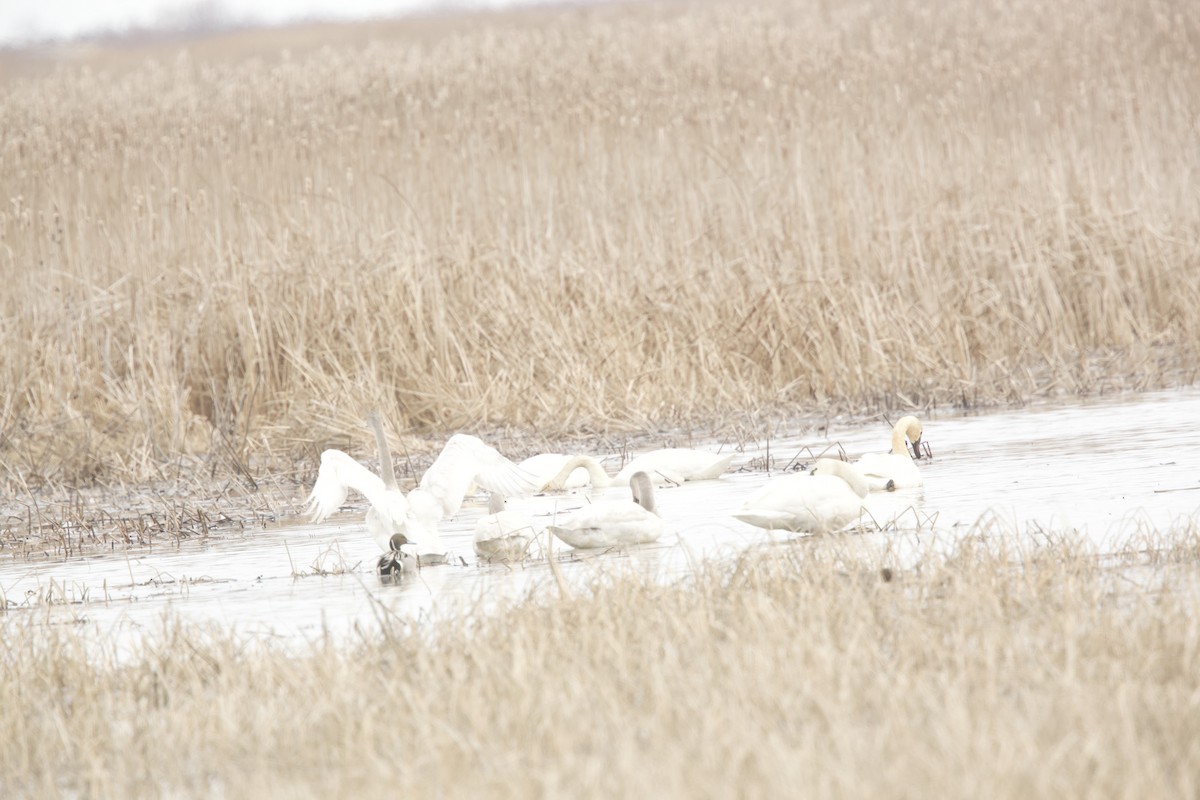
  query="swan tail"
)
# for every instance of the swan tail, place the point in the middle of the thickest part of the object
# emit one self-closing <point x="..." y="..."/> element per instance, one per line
<point x="716" y="470"/>
<point x="766" y="518"/>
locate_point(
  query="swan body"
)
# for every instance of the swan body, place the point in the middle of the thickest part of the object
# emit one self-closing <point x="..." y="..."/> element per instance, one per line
<point x="502" y="535"/>
<point x="824" y="499"/>
<point x="464" y="460"/>
<point x="896" y="466"/>
<point x="675" y="465"/>
<point x="670" y="465"/>
<point x="547" y="465"/>
<point x="613" y="523"/>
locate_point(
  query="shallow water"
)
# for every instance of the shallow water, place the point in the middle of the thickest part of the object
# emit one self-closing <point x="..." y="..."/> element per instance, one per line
<point x="1105" y="468"/>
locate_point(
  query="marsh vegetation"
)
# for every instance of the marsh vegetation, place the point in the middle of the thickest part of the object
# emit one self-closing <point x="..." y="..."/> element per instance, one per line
<point x="593" y="223"/>
<point x="1000" y="668"/>
<point x="610" y="219"/>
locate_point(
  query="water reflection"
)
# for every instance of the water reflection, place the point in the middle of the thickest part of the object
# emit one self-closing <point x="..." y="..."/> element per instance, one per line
<point x="1100" y="467"/>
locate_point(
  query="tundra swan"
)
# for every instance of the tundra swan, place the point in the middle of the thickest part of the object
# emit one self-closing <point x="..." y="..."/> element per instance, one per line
<point x="896" y="466"/>
<point x="824" y="499"/>
<point x="670" y="465"/>
<point x="464" y="459"/>
<point x="611" y="523"/>
<point x="502" y="535"/>
<point x="339" y="473"/>
<point x="546" y="467"/>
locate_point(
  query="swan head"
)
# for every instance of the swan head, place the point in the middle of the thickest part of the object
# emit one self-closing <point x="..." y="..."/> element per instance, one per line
<point x="907" y="427"/>
<point x="496" y="503"/>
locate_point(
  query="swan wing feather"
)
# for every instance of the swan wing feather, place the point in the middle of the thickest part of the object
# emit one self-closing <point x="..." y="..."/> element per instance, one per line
<point x="337" y="475"/>
<point x="465" y="460"/>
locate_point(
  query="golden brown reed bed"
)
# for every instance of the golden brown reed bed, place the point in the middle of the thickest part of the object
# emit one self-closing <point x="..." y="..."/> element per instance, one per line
<point x="997" y="670"/>
<point x="600" y="219"/>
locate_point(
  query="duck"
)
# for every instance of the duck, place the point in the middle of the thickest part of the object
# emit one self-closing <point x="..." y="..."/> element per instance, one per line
<point x="897" y="467"/>
<point x="613" y="523"/>
<point x="821" y="500"/>
<point x="672" y="465"/>
<point x="397" y="562"/>
<point x="464" y="460"/>
<point x="502" y="535"/>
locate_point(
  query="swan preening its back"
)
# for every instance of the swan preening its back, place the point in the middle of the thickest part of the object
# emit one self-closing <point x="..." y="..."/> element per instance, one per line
<point x="670" y="465"/>
<point x="897" y="466"/>
<point x="824" y="499"/>
<point x="414" y="518"/>
<point x="611" y="523"/>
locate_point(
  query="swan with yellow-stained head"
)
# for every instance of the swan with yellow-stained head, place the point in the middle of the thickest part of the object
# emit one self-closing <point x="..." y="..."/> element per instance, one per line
<point x="896" y="467"/>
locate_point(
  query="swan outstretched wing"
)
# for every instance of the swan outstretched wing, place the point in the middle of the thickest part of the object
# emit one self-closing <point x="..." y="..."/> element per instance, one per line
<point x="338" y="474"/>
<point x="465" y="460"/>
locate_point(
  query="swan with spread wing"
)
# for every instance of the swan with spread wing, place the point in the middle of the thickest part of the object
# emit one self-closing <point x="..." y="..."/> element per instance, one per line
<point x="396" y="520"/>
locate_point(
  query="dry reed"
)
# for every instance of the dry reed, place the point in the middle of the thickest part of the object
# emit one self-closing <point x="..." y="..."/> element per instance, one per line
<point x="592" y="220"/>
<point x="1000" y="669"/>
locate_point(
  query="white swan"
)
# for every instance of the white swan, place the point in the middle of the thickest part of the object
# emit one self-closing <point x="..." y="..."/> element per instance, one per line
<point x="824" y="499"/>
<point x="896" y="466"/>
<point x="502" y="535"/>
<point x="670" y="465"/>
<point x="546" y="467"/>
<point x="614" y="522"/>
<point x="464" y="459"/>
<point x="339" y="473"/>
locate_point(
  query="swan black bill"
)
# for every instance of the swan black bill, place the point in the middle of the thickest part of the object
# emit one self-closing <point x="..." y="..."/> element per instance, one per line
<point x="916" y="449"/>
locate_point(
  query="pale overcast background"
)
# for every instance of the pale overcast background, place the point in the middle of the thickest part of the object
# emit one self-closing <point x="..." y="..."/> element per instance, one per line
<point x="30" y="21"/>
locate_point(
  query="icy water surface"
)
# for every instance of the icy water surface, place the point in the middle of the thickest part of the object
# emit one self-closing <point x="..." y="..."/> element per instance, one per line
<point x="1104" y="468"/>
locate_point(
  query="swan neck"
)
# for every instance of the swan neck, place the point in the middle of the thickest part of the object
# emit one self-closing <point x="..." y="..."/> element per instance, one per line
<point x="495" y="503"/>
<point x="855" y="480"/>
<point x="847" y="472"/>
<point x="385" y="455"/>
<point x="906" y="428"/>
<point x="643" y="491"/>
<point x="595" y="472"/>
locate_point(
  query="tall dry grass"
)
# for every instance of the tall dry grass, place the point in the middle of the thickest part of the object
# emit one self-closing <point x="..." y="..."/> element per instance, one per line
<point x="999" y="669"/>
<point x="594" y="219"/>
